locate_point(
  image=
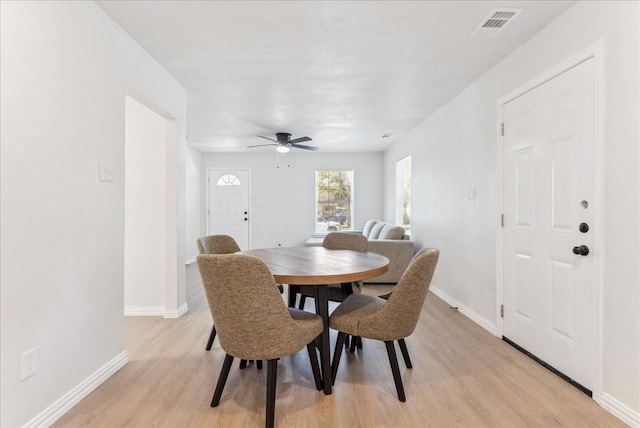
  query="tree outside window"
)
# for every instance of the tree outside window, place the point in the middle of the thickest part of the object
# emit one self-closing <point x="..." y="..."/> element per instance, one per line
<point x="334" y="200"/>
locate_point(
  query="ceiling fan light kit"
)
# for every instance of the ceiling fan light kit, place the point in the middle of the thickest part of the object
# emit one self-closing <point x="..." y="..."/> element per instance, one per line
<point x="284" y="143"/>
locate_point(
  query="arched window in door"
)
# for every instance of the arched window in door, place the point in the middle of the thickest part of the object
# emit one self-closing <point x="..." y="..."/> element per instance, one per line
<point x="228" y="180"/>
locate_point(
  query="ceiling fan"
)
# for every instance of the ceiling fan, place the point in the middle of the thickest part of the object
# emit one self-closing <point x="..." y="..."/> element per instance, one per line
<point x="285" y="143"/>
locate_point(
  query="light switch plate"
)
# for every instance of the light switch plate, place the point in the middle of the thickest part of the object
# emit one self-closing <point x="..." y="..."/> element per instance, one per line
<point x="472" y="192"/>
<point x="106" y="172"/>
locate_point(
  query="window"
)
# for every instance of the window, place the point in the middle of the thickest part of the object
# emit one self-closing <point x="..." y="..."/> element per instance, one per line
<point x="403" y="193"/>
<point x="334" y="200"/>
<point x="228" y="180"/>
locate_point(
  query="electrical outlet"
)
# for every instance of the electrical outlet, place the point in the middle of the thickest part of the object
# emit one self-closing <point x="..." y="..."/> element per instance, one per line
<point x="29" y="363"/>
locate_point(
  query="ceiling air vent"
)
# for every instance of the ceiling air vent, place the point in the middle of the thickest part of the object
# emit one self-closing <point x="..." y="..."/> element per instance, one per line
<point x="495" y="22"/>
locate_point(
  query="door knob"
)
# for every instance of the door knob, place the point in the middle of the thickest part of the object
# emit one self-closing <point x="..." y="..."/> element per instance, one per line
<point x="582" y="250"/>
<point x="584" y="227"/>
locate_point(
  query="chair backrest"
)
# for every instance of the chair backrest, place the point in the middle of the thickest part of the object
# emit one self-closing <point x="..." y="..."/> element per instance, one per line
<point x="251" y="319"/>
<point x="345" y="241"/>
<point x="401" y="312"/>
<point x="217" y="244"/>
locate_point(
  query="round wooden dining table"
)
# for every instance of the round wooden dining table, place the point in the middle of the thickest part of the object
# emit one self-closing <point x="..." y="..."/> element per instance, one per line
<point x="319" y="267"/>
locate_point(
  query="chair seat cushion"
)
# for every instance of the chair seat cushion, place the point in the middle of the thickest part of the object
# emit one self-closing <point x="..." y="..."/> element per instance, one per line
<point x="346" y="317"/>
<point x="310" y="323"/>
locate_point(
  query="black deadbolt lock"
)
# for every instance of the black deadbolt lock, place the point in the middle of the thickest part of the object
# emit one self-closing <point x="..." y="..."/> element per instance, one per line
<point x="582" y="250"/>
<point x="584" y="227"/>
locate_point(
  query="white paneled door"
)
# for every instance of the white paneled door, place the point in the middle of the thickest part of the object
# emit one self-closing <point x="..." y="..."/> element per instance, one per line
<point x="549" y="278"/>
<point x="228" y="210"/>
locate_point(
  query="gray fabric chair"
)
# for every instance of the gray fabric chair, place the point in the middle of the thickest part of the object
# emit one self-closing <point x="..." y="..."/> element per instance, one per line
<point x="257" y="328"/>
<point x="388" y="320"/>
<point x="337" y="292"/>
<point x="217" y="244"/>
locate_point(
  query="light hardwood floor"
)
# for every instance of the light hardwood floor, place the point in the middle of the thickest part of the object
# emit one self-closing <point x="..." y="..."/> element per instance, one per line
<point x="462" y="377"/>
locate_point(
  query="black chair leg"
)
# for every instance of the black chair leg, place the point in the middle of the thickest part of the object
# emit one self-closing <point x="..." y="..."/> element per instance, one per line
<point x="354" y="343"/>
<point x="243" y="364"/>
<point x="337" y="353"/>
<point x="303" y="300"/>
<point x="272" y="374"/>
<point x="395" y="369"/>
<point x="259" y="364"/>
<point x="405" y="353"/>
<point x="315" y="368"/>
<point x="212" y="336"/>
<point x="222" y="379"/>
<point x="293" y="294"/>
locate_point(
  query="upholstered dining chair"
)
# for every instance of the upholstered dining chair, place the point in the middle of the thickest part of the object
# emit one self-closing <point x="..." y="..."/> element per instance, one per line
<point x="371" y="317"/>
<point x="336" y="292"/>
<point x="401" y="342"/>
<point x="258" y="328"/>
<point x="216" y="244"/>
<point x="221" y="244"/>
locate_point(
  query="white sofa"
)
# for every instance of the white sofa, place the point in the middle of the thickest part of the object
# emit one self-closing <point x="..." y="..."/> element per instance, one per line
<point x="386" y="239"/>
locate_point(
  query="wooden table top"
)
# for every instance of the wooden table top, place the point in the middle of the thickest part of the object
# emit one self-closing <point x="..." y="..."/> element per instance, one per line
<point x="318" y="265"/>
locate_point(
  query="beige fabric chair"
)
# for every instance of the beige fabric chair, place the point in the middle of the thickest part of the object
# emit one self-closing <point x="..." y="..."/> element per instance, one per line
<point x="218" y="244"/>
<point x="336" y="292"/>
<point x="257" y="328"/>
<point x="371" y="317"/>
<point x="221" y="244"/>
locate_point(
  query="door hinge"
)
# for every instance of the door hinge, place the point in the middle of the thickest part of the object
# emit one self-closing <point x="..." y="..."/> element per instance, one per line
<point x="502" y="129"/>
<point x="501" y="311"/>
<point x="501" y="220"/>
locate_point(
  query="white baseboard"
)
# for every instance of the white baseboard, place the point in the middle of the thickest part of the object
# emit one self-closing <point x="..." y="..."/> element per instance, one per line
<point x="144" y="311"/>
<point x="155" y="311"/>
<point x="473" y="316"/>
<point x="176" y="313"/>
<point x="620" y="411"/>
<point x="52" y="413"/>
<point x="190" y="261"/>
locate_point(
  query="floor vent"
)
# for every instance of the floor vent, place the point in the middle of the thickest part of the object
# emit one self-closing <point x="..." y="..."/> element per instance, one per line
<point x="495" y="22"/>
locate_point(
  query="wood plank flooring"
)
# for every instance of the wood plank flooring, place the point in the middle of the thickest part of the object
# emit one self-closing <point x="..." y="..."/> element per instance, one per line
<point x="462" y="377"/>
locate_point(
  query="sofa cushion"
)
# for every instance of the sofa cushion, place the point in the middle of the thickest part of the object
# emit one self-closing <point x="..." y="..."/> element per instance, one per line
<point x="391" y="231"/>
<point x="375" y="231"/>
<point x="368" y="226"/>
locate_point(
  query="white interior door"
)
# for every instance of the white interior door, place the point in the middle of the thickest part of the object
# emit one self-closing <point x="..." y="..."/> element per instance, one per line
<point x="229" y="204"/>
<point x="548" y="193"/>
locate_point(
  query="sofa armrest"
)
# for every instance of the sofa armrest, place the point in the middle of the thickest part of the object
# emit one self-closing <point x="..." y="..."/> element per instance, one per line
<point x="398" y="251"/>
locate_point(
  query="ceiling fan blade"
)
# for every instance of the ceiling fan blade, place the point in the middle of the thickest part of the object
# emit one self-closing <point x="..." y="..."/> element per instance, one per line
<point x="302" y="146"/>
<point x="300" y="140"/>
<point x="262" y="145"/>
<point x="270" y="139"/>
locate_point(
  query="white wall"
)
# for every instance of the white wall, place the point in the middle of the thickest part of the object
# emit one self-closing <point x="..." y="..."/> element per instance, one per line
<point x="456" y="148"/>
<point x="65" y="71"/>
<point x="144" y="210"/>
<point x="283" y="191"/>
<point x="194" y="209"/>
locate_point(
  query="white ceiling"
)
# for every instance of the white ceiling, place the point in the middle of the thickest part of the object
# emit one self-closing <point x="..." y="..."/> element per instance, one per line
<point x="343" y="73"/>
